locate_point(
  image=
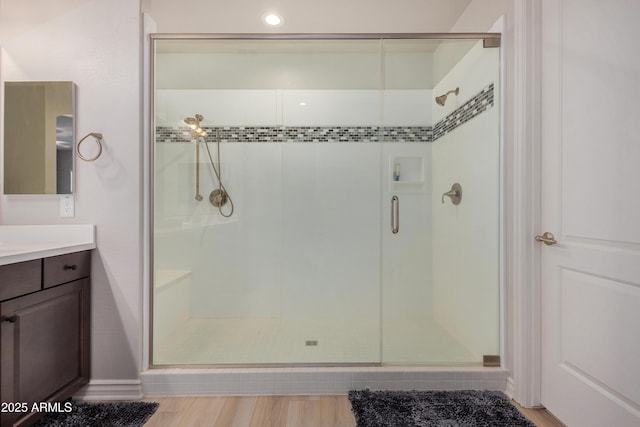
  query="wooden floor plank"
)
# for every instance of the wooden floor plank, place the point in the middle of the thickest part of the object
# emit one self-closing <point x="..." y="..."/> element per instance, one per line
<point x="540" y="416"/>
<point x="304" y="413"/>
<point x="270" y="411"/>
<point x="169" y="413"/>
<point x="280" y="411"/>
<point x="237" y="411"/>
<point x="203" y="412"/>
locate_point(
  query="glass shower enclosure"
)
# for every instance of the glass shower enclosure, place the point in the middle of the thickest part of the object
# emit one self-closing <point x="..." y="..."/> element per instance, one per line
<point x="304" y="207"/>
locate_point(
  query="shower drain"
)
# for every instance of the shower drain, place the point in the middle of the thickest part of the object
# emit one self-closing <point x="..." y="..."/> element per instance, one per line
<point x="311" y="343"/>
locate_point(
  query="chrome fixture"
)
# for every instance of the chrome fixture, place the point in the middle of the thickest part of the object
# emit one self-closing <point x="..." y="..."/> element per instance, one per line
<point x="440" y="100"/>
<point x="98" y="138"/>
<point x="219" y="196"/>
<point x="395" y="214"/>
<point x="194" y="124"/>
<point x="455" y="193"/>
<point x="547" y="238"/>
<point x="197" y="132"/>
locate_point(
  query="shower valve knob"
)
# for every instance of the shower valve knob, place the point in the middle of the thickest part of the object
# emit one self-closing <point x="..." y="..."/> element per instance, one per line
<point x="455" y="194"/>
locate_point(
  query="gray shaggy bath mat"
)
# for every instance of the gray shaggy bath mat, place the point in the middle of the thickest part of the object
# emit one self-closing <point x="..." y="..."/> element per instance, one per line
<point x="464" y="408"/>
<point x="85" y="414"/>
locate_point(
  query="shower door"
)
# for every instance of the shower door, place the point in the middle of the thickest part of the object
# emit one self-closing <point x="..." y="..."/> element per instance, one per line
<point x="440" y="292"/>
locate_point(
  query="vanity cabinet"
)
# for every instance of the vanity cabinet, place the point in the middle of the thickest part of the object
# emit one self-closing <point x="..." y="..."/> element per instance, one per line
<point x="44" y="337"/>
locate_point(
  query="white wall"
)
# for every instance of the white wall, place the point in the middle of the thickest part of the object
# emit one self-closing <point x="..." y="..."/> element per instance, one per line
<point x="95" y="44"/>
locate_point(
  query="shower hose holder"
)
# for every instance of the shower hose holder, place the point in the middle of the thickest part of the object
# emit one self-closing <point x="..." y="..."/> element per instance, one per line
<point x="218" y="197"/>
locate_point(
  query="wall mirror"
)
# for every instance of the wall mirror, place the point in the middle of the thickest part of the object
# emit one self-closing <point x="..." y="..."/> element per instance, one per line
<point x="39" y="137"/>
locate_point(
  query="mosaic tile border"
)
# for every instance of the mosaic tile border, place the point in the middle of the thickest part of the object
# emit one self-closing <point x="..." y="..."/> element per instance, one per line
<point x="478" y="104"/>
<point x="264" y="134"/>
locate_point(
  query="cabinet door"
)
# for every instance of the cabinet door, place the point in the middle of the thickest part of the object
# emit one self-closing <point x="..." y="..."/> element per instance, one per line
<point x="44" y="345"/>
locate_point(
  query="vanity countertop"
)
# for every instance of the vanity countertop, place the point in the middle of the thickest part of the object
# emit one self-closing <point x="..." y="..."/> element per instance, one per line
<point x="26" y="242"/>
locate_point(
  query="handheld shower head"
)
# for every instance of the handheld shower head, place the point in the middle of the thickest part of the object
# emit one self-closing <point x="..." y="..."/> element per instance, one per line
<point x="440" y="100"/>
<point x="194" y="124"/>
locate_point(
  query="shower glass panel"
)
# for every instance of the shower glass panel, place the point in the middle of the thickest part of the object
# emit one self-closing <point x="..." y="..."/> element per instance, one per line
<point x="440" y="288"/>
<point x="293" y="275"/>
<point x="312" y="139"/>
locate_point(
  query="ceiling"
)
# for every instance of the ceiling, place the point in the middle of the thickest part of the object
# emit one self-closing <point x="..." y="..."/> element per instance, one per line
<point x="305" y="16"/>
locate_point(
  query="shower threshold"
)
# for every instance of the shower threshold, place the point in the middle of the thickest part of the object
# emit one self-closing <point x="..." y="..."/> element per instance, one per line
<point x="317" y="380"/>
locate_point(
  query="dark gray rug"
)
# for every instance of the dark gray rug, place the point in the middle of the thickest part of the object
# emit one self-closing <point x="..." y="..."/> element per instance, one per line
<point x="85" y="414"/>
<point x="464" y="408"/>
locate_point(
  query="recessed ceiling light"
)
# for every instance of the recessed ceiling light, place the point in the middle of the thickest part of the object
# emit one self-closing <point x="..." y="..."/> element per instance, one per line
<point x="272" y="19"/>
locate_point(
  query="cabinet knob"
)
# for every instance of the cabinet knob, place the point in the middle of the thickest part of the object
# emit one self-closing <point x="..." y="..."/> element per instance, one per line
<point x="10" y="319"/>
<point x="70" y="267"/>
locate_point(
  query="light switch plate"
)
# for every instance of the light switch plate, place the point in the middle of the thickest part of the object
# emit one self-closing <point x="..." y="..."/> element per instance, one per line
<point x="67" y="206"/>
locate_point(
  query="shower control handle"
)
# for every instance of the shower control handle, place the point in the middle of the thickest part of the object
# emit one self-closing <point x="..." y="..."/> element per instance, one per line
<point x="395" y="214"/>
<point x="455" y="194"/>
<point x="450" y="193"/>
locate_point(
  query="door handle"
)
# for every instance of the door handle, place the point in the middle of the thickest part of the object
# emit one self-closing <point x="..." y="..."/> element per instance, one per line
<point x="547" y="238"/>
<point x="395" y="215"/>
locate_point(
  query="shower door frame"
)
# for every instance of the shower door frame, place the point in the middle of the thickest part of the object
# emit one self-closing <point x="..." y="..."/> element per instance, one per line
<point x="490" y="40"/>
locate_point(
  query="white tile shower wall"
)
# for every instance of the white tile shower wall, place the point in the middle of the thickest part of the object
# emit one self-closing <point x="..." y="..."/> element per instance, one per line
<point x="219" y="107"/>
<point x="287" y="197"/>
<point x="330" y="107"/>
<point x="285" y="64"/>
<point x="465" y="264"/>
<point x="407" y="107"/>
<point x="237" y="260"/>
<point x="292" y="381"/>
<point x="295" y="107"/>
<point x="331" y="221"/>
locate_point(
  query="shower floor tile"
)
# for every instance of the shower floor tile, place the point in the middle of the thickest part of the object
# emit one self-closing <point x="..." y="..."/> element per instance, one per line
<point x="234" y="341"/>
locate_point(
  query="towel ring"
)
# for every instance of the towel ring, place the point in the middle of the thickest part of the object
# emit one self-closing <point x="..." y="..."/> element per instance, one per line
<point x="98" y="138"/>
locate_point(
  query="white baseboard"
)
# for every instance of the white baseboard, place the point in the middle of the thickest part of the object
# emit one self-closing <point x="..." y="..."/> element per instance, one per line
<point x="110" y="390"/>
<point x="509" y="390"/>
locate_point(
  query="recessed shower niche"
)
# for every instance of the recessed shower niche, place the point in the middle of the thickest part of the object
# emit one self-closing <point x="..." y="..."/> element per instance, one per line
<point x="313" y="131"/>
<point x="407" y="173"/>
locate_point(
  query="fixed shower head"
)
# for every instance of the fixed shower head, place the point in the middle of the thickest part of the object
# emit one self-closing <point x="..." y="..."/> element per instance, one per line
<point x="440" y="100"/>
<point x="194" y="124"/>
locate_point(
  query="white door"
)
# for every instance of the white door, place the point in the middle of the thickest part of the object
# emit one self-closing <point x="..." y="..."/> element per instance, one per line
<point x="591" y="203"/>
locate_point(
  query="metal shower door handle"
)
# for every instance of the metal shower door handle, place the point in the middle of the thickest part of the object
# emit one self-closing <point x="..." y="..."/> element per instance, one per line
<point x="395" y="215"/>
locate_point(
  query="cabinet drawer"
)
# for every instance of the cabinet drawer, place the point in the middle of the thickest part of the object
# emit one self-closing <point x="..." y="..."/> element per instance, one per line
<point x="20" y="278"/>
<point x="66" y="268"/>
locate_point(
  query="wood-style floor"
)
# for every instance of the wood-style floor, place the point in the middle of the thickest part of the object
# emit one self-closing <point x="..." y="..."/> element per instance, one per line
<point x="270" y="411"/>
